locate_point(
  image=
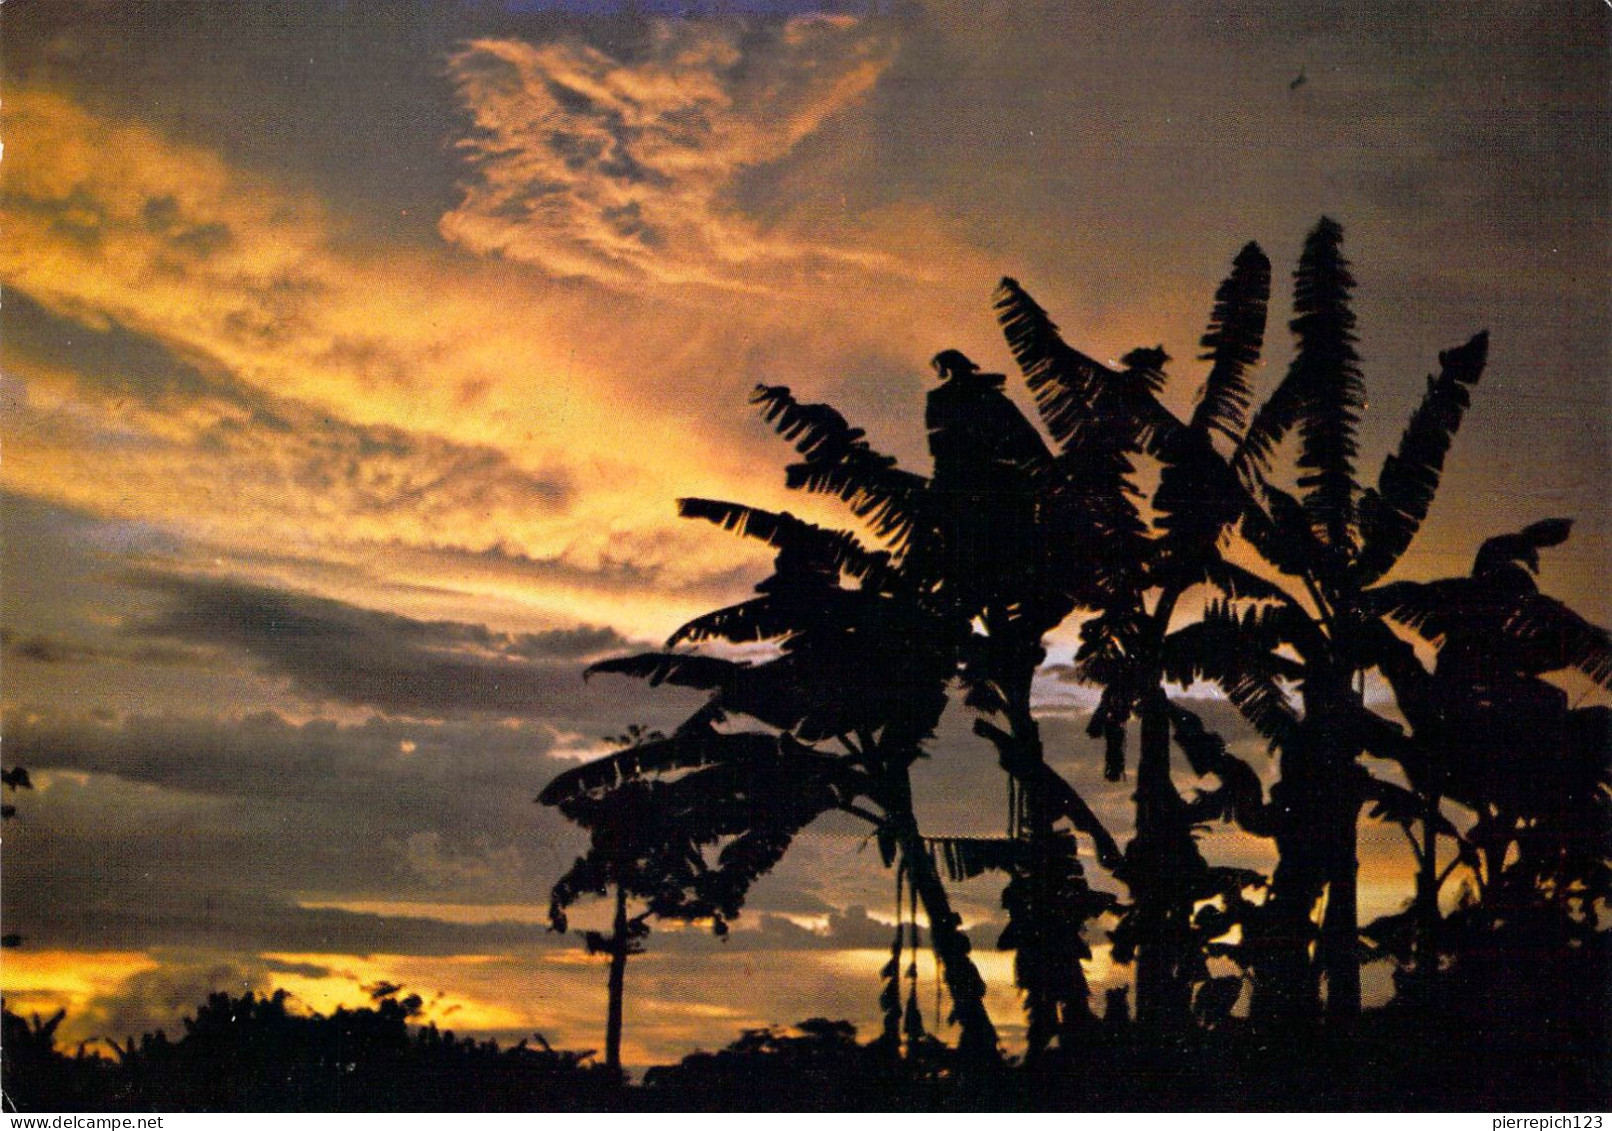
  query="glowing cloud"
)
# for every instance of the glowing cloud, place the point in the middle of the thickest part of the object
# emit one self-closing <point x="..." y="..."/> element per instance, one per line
<point x="623" y="170"/>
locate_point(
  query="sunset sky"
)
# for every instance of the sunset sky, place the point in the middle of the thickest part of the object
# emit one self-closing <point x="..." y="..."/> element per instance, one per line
<point x="352" y="358"/>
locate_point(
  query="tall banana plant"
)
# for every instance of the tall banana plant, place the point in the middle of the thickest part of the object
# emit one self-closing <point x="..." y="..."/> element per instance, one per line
<point x="1017" y="536"/>
<point x="1332" y="541"/>
<point x="1309" y="629"/>
<point x="1000" y="543"/>
<point x="1103" y="420"/>
<point x="856" y="685"/>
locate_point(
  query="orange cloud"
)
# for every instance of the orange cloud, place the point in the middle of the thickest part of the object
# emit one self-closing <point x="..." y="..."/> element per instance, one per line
<point x="211" y="352"/>
<point x="623" y="171"/>
<point x="413" y="425"/>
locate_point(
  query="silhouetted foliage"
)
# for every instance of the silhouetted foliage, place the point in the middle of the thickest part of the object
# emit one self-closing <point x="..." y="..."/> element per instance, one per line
<point x="854" y="688"/>
<point x="1497" y="1037"/>
<point x="254" y="1053"/>
<point x="1012" y="534"/>
<point x="623" y="855"/>
<point x="1310" y="630"/>
<point x="1124" y="646"/>
<point x="1491" y="735"/>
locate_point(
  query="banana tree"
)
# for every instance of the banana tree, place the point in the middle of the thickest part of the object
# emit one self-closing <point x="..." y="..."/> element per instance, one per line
<point x="1103" y="420"/>
<point x="1494" y="736"/>
<point x="999" y="544"/>
<point x="854" y="690"/>
<point x="1331" y="542"/>
<point x="1309" y="629"/>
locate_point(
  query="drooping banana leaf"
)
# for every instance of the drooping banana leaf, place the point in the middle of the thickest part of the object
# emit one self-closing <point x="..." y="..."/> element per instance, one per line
<point x="964" y="858"/>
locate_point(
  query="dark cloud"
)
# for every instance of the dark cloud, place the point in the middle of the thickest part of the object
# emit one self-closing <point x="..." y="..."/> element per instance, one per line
<point x="108" y="355"/>
<point x="241" y="925"/>
<point x="332" y="650"/>
<point x="163" y="216"/>
<point x="614" y="573"/>
<point x="855" y="929"/>
<point x="44" y="649"/>
<point x="55" y="560"/>
<point x="146" y="817"/>
<point x="50" y="648"/>
<point x="584" y="642"/>
<point x="850" y="929"/>
<point x="143" y="813"/>
<point x="301" y="969"/>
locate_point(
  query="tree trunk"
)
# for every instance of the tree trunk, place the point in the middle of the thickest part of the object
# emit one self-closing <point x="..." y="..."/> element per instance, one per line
<point x="1340" y="929"/>
<point x="1050" y="975"/>
<point x="1318" y="800"/>
<point x="1041" y="992"/>
<point x="1285" y="985"/>
<point x="977" y="1042"/>
<point x="1340" y="932"/>
<point x="1160" y="868"/>
<point x="1331" y="701"/>
<point x="1425" y="961"/>
<point x="1286" y="989"/>
<point x="618" y="979"/>
<point x="1049" y="991"/>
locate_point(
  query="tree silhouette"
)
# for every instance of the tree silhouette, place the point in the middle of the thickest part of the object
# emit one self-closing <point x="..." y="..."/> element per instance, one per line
<point x="263" y="1053"/>
<point x="1001" y="544"/>
<point x="1104" y="419"/>
<point x="1338" y="539"/>
<point x="1017" y="529"/>
<point x="1334" y="540"/>
<point x="1494" y="736"/>
<point x="1331" y="542"/>
<point x="855" y="688"/>
<point x="619" y="857"/>
<point x="1016" y="537"/>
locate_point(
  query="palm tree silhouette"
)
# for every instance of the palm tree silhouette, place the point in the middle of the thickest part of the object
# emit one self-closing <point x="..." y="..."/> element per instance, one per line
<point x="998" y="544"/>
<point x="856" y="687"/>
<point x="1015" y="540"/>
<point x="1103" y="419"/>
<point x="1333" y="541"/>
<point x="1336" y="539"/>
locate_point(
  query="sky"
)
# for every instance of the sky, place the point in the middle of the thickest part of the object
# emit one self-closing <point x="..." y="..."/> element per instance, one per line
<point x="352" y="358"/>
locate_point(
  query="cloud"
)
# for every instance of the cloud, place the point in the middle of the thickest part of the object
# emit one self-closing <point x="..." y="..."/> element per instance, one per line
<point x="180" y="422"/>
<point x="624" y="169"/>
<point x="51" y="648"/>
<point x="146" y="814"/>
<point x="294" y="391"/>
<point x="336" y="651"/>
<point x="302" y="969"/>
<point x="152" y="999"/>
